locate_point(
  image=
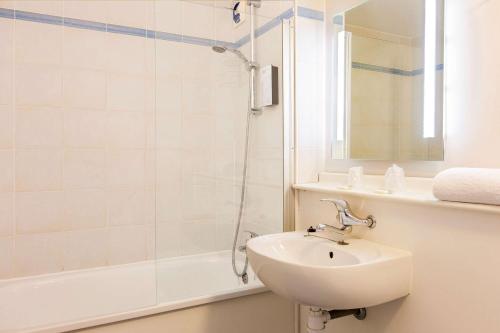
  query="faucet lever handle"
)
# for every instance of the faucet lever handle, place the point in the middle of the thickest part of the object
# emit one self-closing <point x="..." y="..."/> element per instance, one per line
<point x="341" y="205"/>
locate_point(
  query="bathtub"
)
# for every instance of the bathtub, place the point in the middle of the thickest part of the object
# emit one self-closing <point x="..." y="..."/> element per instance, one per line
<point x="72" y="300"/>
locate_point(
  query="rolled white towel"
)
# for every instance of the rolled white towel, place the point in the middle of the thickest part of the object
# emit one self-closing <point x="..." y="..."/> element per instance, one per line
<point x="472" y="185"/>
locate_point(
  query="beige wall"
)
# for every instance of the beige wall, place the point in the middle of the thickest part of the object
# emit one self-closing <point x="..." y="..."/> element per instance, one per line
<point x="262" y="313"/>
<point x="456" y="269"/>
<point x="472" y="79"/>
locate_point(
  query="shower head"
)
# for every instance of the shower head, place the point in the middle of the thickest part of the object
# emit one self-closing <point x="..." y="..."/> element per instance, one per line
<point x="222" y="49"/>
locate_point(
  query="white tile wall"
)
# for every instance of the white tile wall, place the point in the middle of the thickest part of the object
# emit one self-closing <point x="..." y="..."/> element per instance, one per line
<point x="46" y="176"/>
<point x="134" y="13"/>
<point x="39" y="127"/>
<point x="38" y="212"/>
<point x="6" y="214"/>
<point x="86" y="209"/>
<point x="86" y="10"/>
<point x="91" y="158"/>
<point x="85" y="89"/>
<point x="7" y="174"/>
<point x="50" y="7"/>
<point x="36" y="43"/>
<point x="84" y="48"/>
<point x="84" y="169"/>
<point x="73" y="139"/>
<point x="6" y="126"/>
<point x="169" y="16"/>
<point x="85" y="249"/>
<point x="7" y="248"/>
<point x="76" y="125"/>
<point x="38" y="85"/>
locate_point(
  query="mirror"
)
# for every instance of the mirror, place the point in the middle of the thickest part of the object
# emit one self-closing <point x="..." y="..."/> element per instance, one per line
<point x="388" y="65"/>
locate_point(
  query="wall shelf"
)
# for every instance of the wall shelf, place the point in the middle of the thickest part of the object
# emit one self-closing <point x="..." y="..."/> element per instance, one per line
<point x="410" y="197"/>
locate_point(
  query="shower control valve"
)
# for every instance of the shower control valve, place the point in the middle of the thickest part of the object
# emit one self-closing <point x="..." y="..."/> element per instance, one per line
<point x="243" y="248"/>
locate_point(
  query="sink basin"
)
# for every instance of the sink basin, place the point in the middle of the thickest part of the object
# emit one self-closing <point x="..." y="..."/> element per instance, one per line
<point x="319" y="272"/>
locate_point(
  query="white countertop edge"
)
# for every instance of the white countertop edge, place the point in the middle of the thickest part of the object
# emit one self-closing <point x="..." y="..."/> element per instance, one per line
<point x="426" y="199"/>
<point x="148" y="311"/>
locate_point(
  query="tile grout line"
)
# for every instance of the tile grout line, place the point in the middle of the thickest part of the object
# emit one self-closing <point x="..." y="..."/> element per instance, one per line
<point x="14" y="151"/>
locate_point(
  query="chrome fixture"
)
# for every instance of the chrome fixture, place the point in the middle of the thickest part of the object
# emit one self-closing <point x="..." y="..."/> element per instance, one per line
<point x="313" y="232"/>
<point x="253" y="4"/>
<point x="250" y="63"/>
<point x="243" y="248"/>
<point x="317" y="319"/>
<point x="323" y="227"/>
<point x="347" y="218"/>
<point x="251" y="110"/>
<point x="238" y="53"/>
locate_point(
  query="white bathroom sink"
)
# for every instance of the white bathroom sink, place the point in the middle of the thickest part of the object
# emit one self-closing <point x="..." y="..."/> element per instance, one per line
<point x="322" y="273"/>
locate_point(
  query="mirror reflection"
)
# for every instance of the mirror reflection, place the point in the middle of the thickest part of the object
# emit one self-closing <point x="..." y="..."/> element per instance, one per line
<point x="389" y="90"/>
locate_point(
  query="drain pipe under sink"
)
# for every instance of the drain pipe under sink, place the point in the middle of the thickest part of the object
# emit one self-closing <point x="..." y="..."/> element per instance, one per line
<point x="317" y="319"/>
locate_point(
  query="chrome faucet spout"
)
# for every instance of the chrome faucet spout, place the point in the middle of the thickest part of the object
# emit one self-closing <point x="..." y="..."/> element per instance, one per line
<point x="339" y="203"/>
<point x="340" y="231"/>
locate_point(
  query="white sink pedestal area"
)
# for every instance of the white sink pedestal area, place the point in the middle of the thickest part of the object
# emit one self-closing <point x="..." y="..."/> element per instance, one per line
<point x="326" y="275"/>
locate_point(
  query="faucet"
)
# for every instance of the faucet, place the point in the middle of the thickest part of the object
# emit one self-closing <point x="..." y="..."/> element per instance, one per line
<point x="243" y="248"/>
<point x="347" y="218"/>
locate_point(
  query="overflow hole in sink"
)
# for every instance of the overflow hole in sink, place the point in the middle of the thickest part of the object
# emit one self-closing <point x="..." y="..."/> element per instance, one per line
<point x="331" y="255"/>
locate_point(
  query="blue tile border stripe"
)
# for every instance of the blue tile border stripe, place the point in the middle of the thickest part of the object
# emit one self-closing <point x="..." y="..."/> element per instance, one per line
<point x="81" y="24"/>
<point x="120" y="29"/>
<point x="161" y="35"/>
<point x="310" y="13"/>
<point x="40" y="18"/>
<point x="110" y="28"/>
<point x="7" y="13"/>
<point x="393" y="71"/>
<point x="168" y="36"/>
<point x="381" y="69"/>
<point x="199" y="41"/>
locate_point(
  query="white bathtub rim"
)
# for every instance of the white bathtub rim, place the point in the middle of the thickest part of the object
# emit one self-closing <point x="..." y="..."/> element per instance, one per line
<point x="155" y="262"/>
<point x="148" y="311"/>
<point x="245" y="290"/>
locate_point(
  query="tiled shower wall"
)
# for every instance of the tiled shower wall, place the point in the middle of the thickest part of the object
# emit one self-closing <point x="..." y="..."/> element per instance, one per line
<point x="85" y="147"/>
<point x="201" y="115"/>
<point x="77" y="163"/>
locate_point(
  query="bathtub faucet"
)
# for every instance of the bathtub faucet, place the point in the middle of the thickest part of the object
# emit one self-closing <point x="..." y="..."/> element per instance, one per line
<point x="243" y="248"/>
